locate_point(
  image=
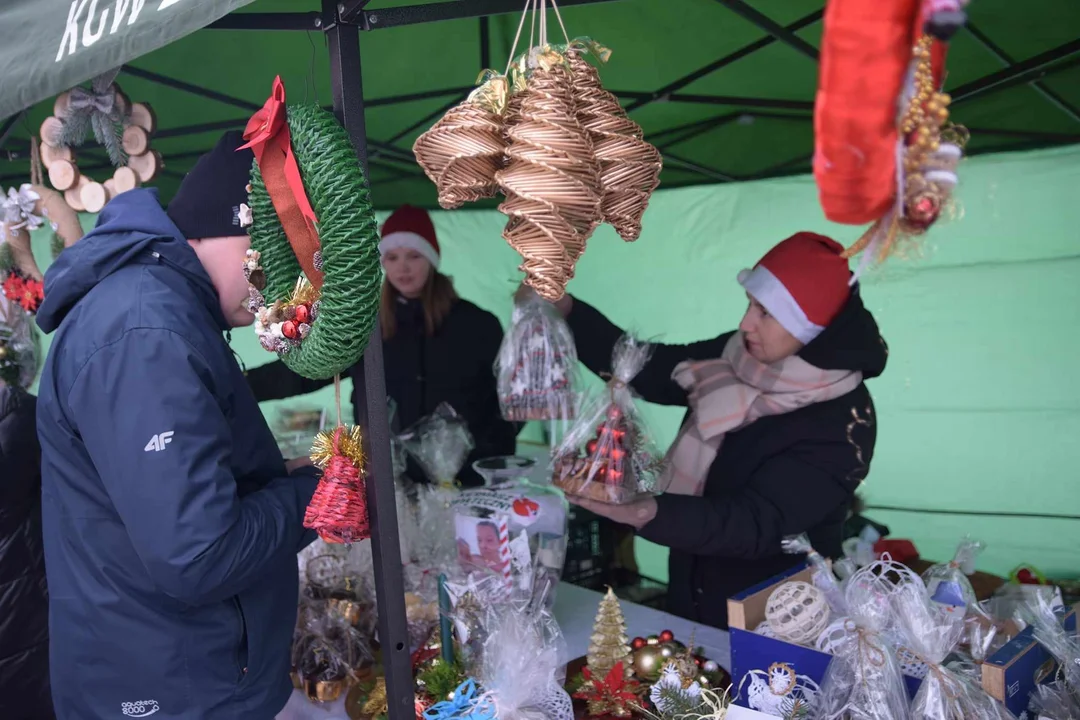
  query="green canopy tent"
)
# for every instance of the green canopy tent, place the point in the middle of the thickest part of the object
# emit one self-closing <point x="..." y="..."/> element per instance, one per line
<point x="723" y="87"/>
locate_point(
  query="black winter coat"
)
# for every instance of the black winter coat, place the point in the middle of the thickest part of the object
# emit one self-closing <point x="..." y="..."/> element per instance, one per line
<point x="454" y="365"/>
<point x="781" y="475"/>
<point x="24" y="600"/>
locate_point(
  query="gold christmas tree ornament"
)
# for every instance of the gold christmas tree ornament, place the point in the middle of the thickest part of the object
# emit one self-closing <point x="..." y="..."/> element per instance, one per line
<point x="629" y="166"/>
<point x="608" y="645"/>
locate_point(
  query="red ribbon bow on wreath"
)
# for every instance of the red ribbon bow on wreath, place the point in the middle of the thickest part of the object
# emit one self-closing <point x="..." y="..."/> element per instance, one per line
<point x="268" y="136"/>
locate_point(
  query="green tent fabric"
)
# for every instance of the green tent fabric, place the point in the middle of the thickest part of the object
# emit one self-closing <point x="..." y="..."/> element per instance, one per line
<point x="725" y="87"/>
<point x="50" y="45"/>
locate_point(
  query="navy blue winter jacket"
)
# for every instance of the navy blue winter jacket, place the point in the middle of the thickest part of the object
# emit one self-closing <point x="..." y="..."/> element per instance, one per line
<point x="171" y="526"/>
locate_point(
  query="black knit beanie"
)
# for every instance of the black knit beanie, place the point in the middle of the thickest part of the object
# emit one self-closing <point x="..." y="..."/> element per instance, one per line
<point x="208" y="202"/>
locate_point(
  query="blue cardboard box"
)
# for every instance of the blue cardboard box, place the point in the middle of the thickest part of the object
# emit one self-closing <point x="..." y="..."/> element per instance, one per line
<point x="1011" y="674"/>
<point x="750" y="651"/>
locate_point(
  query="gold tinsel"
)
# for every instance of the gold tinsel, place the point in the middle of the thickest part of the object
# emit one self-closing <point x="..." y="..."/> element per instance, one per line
<point x="351" y="445"/>
<point x="552" y="182"/>
<point x="629" y="166"/>
<point x="463" y="150"/>
<point x="376" y="703"/>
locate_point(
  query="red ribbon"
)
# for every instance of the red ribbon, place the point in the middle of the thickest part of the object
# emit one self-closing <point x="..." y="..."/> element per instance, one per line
<point x="268" y="136"/>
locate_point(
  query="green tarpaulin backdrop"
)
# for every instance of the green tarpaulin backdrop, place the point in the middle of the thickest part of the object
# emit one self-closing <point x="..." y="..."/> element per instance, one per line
<point x="979" y="410"/>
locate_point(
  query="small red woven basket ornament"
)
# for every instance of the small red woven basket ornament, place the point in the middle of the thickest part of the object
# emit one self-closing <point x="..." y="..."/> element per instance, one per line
<point x="338" y="509"/>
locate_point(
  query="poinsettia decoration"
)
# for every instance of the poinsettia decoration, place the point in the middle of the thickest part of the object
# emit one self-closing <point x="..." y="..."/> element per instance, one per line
<point x="614" y="695"/>
<point x="26" y="291"/>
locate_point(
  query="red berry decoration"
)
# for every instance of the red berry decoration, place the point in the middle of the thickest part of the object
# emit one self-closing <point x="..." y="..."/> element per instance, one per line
<point x="637" y="643"/>
<point x="288" y="329"/>
<point x="667" y="636"/>
<point x="303" y="315"/>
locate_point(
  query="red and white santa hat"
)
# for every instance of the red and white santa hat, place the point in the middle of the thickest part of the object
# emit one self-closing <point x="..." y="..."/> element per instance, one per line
<point x="410" y="228"/>
<point x="803" y="282"/>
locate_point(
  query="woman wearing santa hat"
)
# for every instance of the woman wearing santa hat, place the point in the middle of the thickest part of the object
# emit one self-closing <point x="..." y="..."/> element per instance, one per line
<point x="437" y="347"/>
<point x="779" y="431"/>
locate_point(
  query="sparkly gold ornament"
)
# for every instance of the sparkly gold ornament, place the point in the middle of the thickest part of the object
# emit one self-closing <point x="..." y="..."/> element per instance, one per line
<point x="608" y="644"/>
<point x="647" y="662"/>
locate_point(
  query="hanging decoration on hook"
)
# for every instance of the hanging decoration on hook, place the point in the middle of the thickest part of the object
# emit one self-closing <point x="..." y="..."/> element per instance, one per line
<point x="122" y="128"/>
<point x="871" y="166"/>
<point x="558" y="147"/>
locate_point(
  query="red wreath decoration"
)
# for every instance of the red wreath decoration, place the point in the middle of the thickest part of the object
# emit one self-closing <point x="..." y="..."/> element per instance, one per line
<point x="870" y="166"/>
<point x="338" y="509"/>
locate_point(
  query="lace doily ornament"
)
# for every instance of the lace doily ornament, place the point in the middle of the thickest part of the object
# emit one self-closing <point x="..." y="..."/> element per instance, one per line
<point x="835" y="635"/>
<point x="797" y="612"/>
<point x="780" y="692"/>
<point x="81" y="192"/>
<point x="765" y="630"/>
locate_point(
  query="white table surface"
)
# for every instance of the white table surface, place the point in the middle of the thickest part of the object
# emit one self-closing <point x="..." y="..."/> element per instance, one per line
<point x="575" y="609"/>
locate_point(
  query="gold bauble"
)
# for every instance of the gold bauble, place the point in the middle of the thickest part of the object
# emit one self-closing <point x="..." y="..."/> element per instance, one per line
<point x="3" y="352"/>
<point x="647" y="662"/>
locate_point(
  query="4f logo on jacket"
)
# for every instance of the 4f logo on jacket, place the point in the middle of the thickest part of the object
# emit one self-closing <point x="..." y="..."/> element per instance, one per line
<point x="159" y="441"/>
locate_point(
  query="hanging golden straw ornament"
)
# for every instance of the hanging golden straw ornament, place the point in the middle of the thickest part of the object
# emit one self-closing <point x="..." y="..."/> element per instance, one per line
<point x="463" y="150"/>
<point x="629" y="166"/>
<point x="552" y="182"/>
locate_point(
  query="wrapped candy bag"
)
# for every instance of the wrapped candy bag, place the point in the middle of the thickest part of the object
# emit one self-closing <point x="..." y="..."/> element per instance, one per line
<point x="820" y="571"/>
<point x="328" y="652"/>
<point x="608" y="455"/>
<point x="536" y="367"/>
<point x="863" y="680"/>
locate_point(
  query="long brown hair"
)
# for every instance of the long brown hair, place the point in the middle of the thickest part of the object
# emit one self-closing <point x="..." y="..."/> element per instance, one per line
<point x="437" y="297"/>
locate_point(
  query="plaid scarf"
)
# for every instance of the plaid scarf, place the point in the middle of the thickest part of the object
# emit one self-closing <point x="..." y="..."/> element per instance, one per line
<point x="729" y="393"/>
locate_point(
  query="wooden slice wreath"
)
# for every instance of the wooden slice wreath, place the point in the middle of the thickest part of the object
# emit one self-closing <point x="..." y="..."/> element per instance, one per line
<point x="122" y="127"/>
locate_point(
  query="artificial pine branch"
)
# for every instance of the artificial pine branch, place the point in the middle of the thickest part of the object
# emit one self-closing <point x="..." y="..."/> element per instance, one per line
<point x="56" y="245"/>
<point x="110" y="134"/>
<point x="74" y="130"/>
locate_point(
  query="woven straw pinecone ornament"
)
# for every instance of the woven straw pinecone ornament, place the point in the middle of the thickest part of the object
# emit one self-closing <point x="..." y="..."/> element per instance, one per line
<point x="462" y="151"/>
<point x="551" y="184"/>
<point x="629" y="166"/>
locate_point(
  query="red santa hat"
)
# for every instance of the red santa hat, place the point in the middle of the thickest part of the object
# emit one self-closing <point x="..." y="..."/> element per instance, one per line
<point x="803" y="282"/>
<point x="410" y="228"/>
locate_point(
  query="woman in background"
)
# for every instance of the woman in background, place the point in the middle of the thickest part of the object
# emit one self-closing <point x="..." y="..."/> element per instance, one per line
<point x="437" y="347"/>
<point x="24" y="599"/>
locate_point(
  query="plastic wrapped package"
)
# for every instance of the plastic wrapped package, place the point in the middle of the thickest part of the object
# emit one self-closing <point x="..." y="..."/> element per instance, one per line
<point x="520" y="669"/>
<point x="296" y="427"/>
<point x="1045" y="616"/>
<point x="1054" y="701"/>
<point x="511" y="500"/>
<point x="328" y="653"/>
<point x="930" y="630"/>
<point x="20" y="348"/>
<point x="440" y="443"/>
<point x="536" y="368"/>
<point x="948" y="583"/>
<point x="608" y="454"/>
<point x="820" y="571"/>
<point x="863" y="681"/>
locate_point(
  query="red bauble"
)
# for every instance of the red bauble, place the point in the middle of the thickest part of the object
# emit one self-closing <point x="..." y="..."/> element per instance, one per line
<point x="590" y="447"/>
<point x="303" y="315"/>
<point x="288" y="329"/>
<point x="666" y="636"/>
<point x="637" y="643"/>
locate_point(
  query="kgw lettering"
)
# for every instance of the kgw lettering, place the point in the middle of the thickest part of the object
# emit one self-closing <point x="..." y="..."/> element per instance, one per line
<point x="85" y="25"/>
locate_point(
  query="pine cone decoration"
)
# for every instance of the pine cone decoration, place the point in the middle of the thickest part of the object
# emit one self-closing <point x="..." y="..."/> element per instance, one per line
<point x="462" y="152"/>
<point x="552" y="183"/>
<point x="629" y="166"/>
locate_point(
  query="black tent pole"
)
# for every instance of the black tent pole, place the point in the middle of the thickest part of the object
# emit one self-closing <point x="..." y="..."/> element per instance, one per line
<point x="370" y="397"/>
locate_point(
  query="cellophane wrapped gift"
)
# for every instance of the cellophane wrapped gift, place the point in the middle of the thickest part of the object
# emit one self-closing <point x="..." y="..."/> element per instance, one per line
<point x="328" y="653"/>
<point x="1046" y="616"/>
<point x="536" y="368"/>
<point x="930" y="630"/>
<point x="863" y="680"/>
<point x="440" y="444"/>
<point x="608" y="454"/>
<point x="820" y="572"/>
<point x="521" y="505"/>
<point x="19" y="345"/>
<point x="520" y="670"/>
<point x="948" y="583"/>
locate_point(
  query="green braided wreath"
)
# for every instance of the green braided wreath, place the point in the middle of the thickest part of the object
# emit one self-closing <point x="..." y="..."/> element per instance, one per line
<point x="348" y="306"/>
